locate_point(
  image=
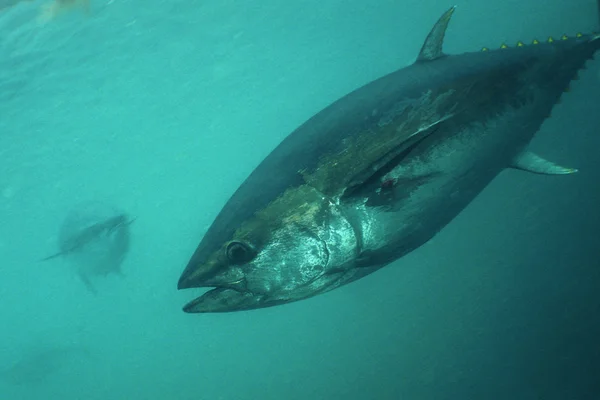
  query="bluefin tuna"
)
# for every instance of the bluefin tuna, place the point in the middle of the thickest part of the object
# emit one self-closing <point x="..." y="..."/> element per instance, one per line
<point x="38" y="365"/>
<point x="379" y="172"/>
<point x="94" y="239"/>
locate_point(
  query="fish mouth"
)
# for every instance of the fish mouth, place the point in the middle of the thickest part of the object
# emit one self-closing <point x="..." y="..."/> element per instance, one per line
<point x="224" y="299"/>
<point x="223" y="295"/>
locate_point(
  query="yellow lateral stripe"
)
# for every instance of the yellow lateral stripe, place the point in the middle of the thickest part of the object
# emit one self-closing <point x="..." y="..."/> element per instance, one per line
<point x="536" y="41"/>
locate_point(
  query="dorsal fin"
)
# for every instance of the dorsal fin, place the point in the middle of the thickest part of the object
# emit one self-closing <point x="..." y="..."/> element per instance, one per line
<point x="432" y="48"/>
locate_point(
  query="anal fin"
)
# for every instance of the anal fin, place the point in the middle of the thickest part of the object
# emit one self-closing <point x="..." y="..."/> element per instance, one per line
<point x="87" y="283"/>
<point x="531" y="162"/>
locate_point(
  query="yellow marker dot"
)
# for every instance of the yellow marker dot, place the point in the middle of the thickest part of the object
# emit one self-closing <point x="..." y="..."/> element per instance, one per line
<point x="579" y="34"/>
<point x="535" y="41"/>
<point x="550" y="39"/>
<point x="564" y="37"/>
<point x="520" y="44"/>
<point x="503" y="46"/>
<point x="484" y="49"/>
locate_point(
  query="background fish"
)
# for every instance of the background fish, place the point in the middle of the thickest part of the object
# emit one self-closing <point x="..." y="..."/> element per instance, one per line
<point x="57" y="8"/>
<point x="10" y="3"/>
<point x="94" y="238"/>
<point x="37" y="365"/>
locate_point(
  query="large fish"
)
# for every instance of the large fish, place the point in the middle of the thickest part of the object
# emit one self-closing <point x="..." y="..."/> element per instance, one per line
<point x="94" y="238"/>
<point x="37" y="366"/>
<point x="380" y="171"/>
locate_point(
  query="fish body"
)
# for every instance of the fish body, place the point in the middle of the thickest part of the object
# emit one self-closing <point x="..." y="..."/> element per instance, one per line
<point x="37" y="366"/>
<point x="94" y="238"/>
<point x="380" y="171"/>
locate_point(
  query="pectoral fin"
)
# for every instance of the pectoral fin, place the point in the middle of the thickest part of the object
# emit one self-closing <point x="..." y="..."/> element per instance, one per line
<point x="531" y="162"/>
<point x="52" y="256"/>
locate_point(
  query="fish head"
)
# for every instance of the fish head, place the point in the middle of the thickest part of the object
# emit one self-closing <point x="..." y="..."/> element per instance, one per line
<point x="277" y="256"/>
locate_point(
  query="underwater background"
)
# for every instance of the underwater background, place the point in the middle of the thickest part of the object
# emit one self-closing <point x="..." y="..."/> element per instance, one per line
<point x="163" y="108"/>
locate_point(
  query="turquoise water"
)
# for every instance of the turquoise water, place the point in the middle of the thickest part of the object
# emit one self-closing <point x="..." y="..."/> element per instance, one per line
<point x="163" y="108"/>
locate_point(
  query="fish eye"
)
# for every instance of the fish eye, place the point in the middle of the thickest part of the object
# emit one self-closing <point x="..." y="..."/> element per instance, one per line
<point x="239" y="253"/>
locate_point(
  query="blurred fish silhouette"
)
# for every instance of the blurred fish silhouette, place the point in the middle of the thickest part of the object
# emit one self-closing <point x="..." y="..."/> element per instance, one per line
<point x="10" y="3"/>
<point x="53" y="9"/>
<point x="57" y="8"/>
<point x="36" y="366"/>
<point x="94" y="238"/>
